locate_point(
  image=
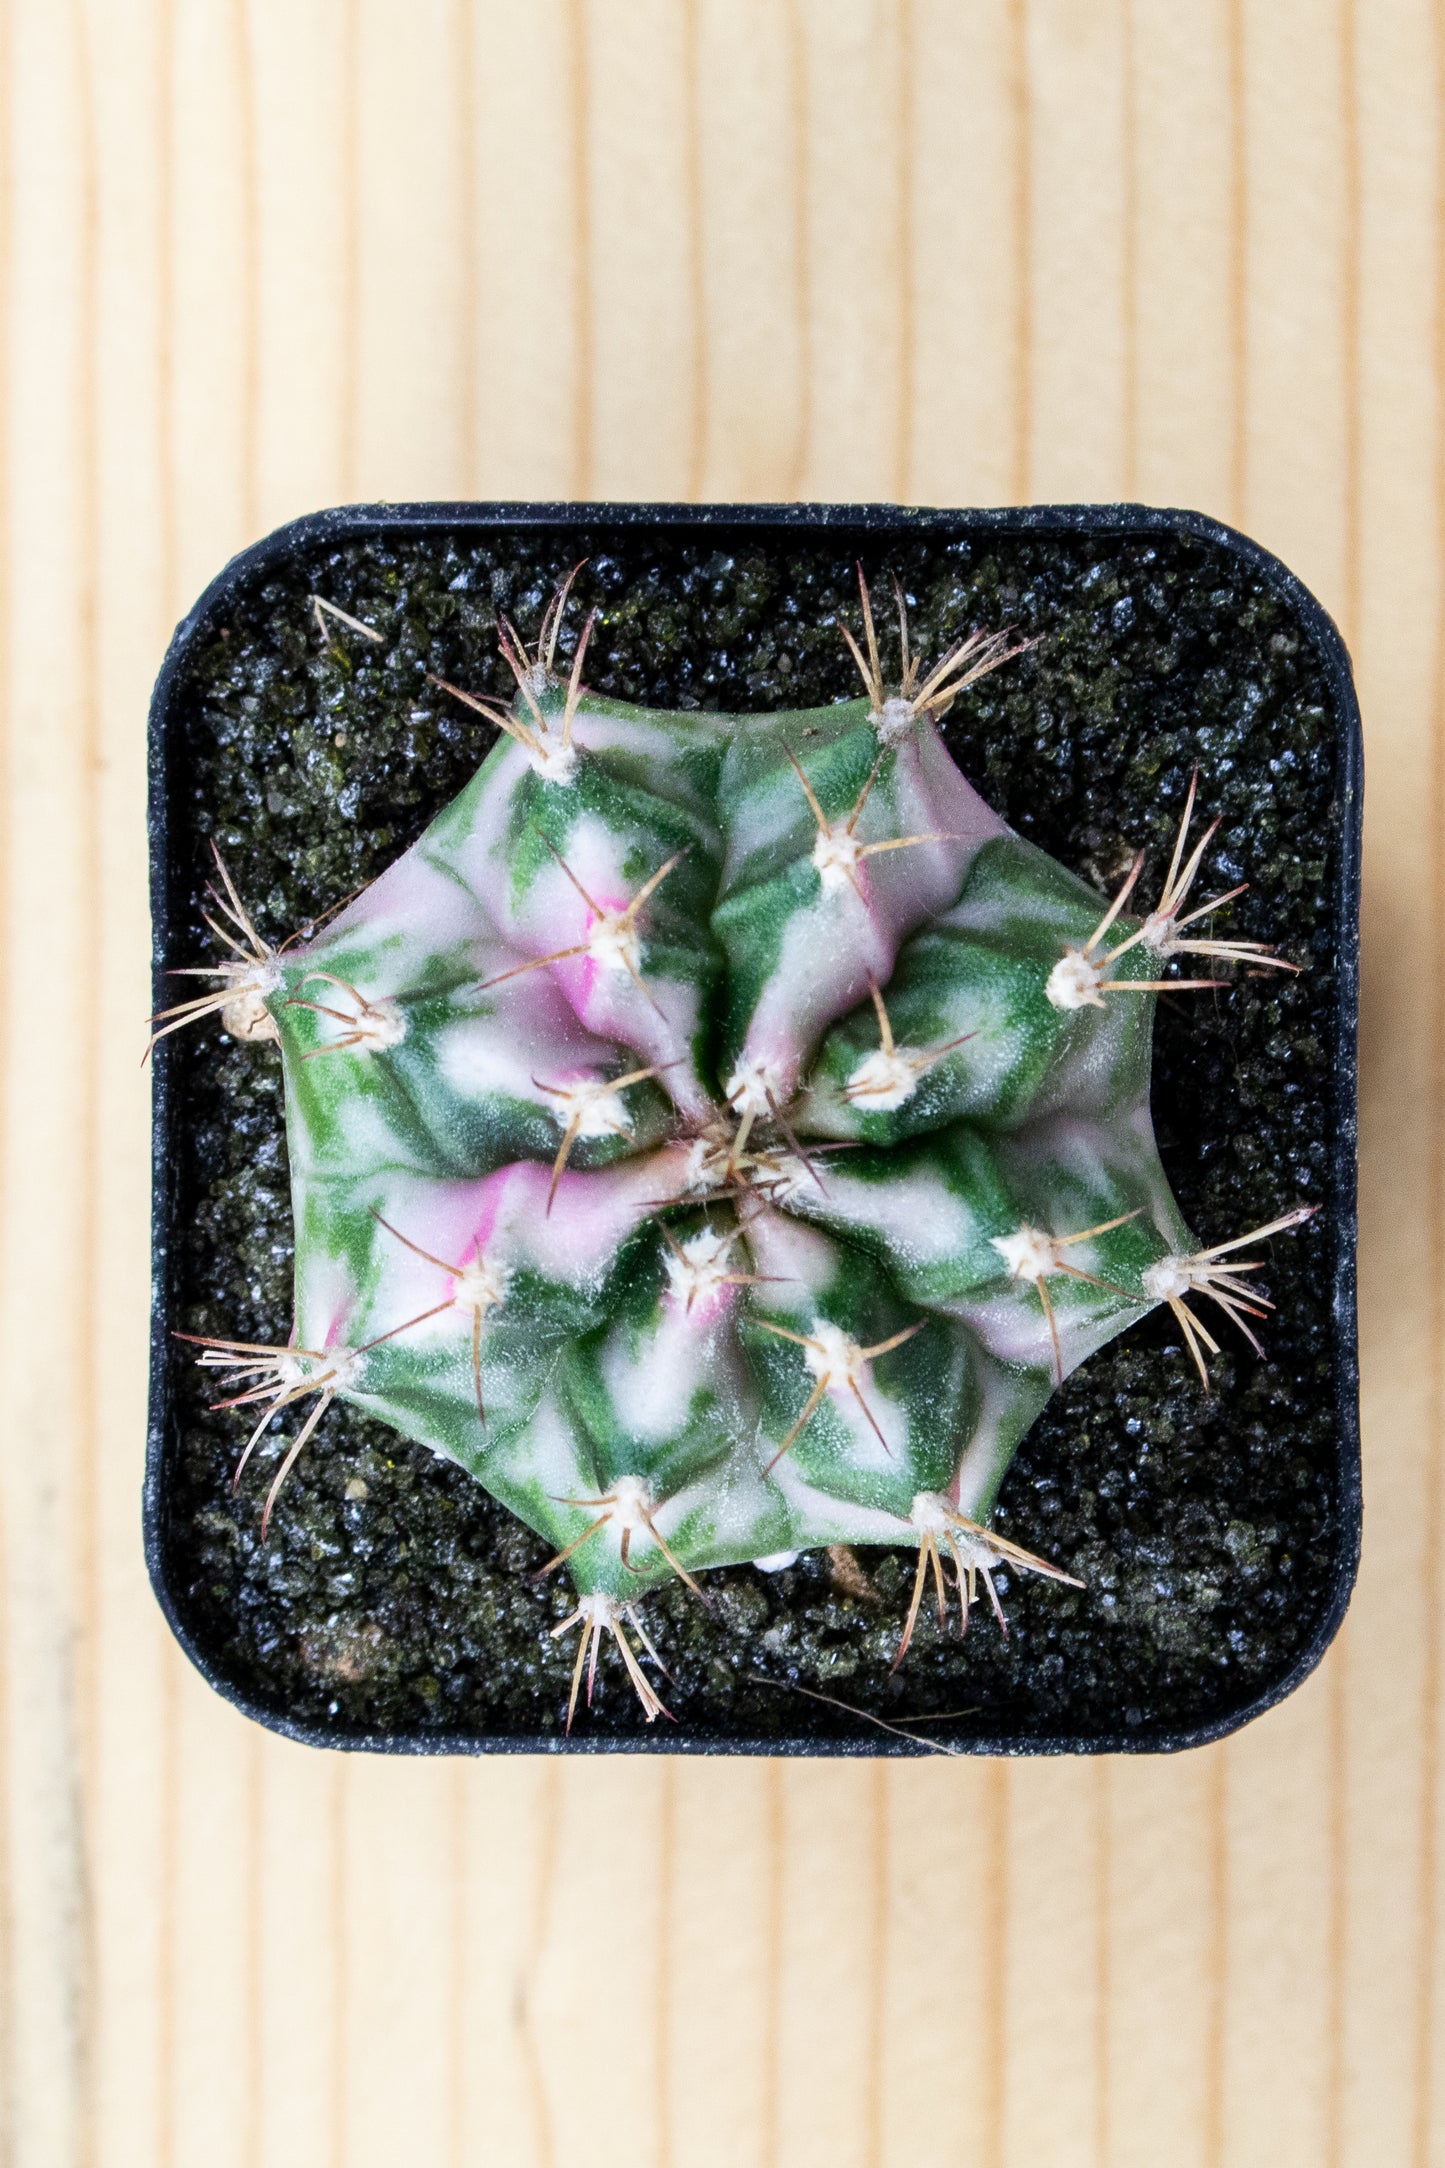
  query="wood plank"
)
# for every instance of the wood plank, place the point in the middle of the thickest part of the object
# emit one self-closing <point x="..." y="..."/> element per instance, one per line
<point x="857" y="293"/>
<point x="1390" y="1742"/>
<point x="46" y="1297"/>
<point x="262" y="256"/>
<point x="1286" y="1842"/>
<point x="748" y="98"/>
<point x="1075" y="258"/>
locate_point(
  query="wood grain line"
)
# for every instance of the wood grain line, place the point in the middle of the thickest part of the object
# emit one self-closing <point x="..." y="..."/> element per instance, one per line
<point x="250" y="417"/>
<point x="168" y="1926"/>
<point x="879" y="1837"/>
<point x="348" y="374"/>
<point x="1238" y="305"/>
<point x="458" y="1969"/>
<point x="8" y="2076"/>
<point x="469" y="298"/>
<point x="549" y="1830"/>
<point x="252" y="1967"/>
<point x="665" y="1984"/>
<point x="1129" y="248"/>
<point x="770" y="2085"/>
<point x="167" y="503"/>
<point x="697" y="447"/>
<point x="339" y="2043"/>
<point x="1103" y="1802"/>
<point x="1022" y="370"/>
<point x="1350" y="329"/>
<point x="8" y="224"/>
<point x="8" y="1984"/>
<point x="907" y="249"/>
<point x="583" y="301"/>
<point x="1334" y="1903"/>
<point x="1427" y="1871"/>
<point x="1217" y="1953"/>
<point x="994" y="1907"/>
<point x="87" y="1054"/>
<point x="798" y="99"/>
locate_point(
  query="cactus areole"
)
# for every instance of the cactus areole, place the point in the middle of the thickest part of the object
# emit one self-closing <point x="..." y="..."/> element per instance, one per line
<point x="720" y="1134"/>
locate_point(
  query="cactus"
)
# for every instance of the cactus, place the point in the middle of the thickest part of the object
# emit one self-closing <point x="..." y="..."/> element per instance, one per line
<point x="720" y="1135"/>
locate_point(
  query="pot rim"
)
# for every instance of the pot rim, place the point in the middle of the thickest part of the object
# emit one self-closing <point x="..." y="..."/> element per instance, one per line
<point x="879" y="521"/>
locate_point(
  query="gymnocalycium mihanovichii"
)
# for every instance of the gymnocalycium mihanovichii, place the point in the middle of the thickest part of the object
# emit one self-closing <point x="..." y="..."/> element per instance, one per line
<point x="719" y="1135"/>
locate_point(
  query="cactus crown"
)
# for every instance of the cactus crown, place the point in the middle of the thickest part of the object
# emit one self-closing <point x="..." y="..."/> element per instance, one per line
<point x="720" y="1135"/>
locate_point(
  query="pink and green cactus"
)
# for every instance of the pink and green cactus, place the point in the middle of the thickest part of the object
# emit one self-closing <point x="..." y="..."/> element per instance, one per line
<point x="720" y="1135"/>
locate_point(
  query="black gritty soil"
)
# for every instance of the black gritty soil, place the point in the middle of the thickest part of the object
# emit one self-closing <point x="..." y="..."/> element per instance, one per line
<point x="394" y="1598"/>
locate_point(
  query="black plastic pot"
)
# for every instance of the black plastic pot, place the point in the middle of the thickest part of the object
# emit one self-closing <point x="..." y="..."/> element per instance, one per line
<point x="1220" y="1538"/>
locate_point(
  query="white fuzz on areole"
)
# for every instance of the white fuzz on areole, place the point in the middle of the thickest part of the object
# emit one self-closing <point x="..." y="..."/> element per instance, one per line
<point x="1075" y="981"/>
<point x="552" y="760"/>
<point x="754" y="1087"/>
<point x="929" y="1513"/>
<point x="337" y="1367"/>
<point x="480" y="1286"/>
<point x="885" y="1079"/>
<point x="706" y="1166"/>
<point x="633" y="1503"/>
<point x="932" y="1515"/>
<point x="782" y="1176"/>
<point x="836" y="853"/>
<point x="614" y="944"/>
<point x="597" y="1610"/>
<point x="1157" y="934"/>
<point x="244" y="1013"/>
<point x="698" y="1267"/>
<point x="381" y="1025"/>
<point x="597" y="1109"/>
<point x="710" y="1158"/>
<point x="975" y="1551"/>
<point x="893" y="720"/>
<point x="1029" y="1255"/>
<point x="362" y="1026"/>
<point x="834" y="1356"/>
<point x="1172" y="1277"/>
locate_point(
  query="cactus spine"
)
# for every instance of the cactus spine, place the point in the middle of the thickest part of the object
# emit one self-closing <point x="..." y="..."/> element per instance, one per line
<point x="720" y="1135"/>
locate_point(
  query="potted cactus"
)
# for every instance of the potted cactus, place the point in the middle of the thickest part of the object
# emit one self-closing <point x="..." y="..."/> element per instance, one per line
<point x="714" y="1139"/>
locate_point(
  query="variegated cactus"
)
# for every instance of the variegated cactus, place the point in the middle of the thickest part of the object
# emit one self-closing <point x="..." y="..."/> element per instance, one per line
<point x="721" y="1134"/>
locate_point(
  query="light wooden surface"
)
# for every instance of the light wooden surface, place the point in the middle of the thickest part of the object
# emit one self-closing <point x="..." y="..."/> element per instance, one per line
<point x="263" y="255"/>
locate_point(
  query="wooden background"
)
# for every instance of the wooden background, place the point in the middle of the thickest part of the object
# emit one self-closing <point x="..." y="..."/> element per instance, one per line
<point x="264" y="255"/>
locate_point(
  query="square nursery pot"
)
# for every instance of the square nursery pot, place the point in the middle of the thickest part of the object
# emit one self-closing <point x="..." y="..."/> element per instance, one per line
<point x="394" y="1608"/>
